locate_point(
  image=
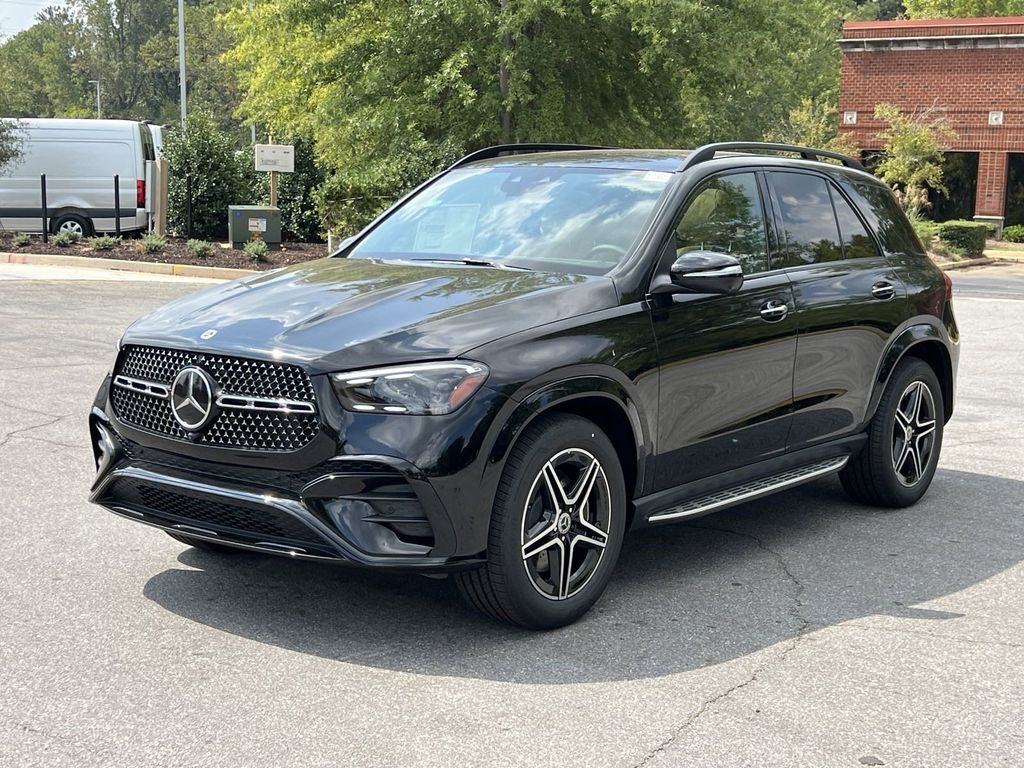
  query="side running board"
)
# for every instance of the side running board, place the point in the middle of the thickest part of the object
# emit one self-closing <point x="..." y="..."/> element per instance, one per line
<point x="754" y="489"/>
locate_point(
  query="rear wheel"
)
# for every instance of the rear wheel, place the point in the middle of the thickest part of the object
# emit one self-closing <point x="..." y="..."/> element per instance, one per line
<point x="72" y="222"/>
<point x="556" y="527"/>
<point x="203" y="544"/>
<point x="896" y="466"/>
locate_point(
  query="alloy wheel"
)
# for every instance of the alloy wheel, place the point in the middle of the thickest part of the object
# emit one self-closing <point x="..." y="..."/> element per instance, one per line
<point x="71" y="225"/>
<point x="913" y="433"/>
<point x="566" y="524"/>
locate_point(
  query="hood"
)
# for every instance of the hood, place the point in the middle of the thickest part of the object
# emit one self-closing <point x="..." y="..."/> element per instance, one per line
<point x="337" y="314"/>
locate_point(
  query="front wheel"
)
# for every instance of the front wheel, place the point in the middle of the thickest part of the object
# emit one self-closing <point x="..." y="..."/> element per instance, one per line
<point x="898" y="462"/>
<point x="557" y="526"/>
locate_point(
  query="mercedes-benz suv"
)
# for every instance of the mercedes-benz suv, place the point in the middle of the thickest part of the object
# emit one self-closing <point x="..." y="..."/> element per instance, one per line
<point x="534" y="352"/>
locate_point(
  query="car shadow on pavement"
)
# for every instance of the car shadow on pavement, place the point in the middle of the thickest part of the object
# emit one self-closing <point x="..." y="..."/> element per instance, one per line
<point x="683" y="596"/>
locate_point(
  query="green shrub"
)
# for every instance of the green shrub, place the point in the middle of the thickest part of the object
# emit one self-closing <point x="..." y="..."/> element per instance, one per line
<point x="21" y="239"/>
<point x="104" y="242"/>
<point x="152" y="243"/>
<point x="65" y="237"/>
<point x="925" y="229"/>
<point x="200" y="249"/>
<point x="964" y="238"/>
<point x="1014" y="233"/>
<point x="216" y="167"/>
<point x="256" y="250"/>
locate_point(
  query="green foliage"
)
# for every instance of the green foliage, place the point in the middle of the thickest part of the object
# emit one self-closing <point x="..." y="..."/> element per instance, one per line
<point x="256" y="250"/>
<point x="10" y="142"/>
<point x="152" y="243"/>
<point x="925" y="229"/>
<point x="218" y="170"/>
<point x="66" y="238"/>
<point x="200" y="249"/>
<point x="1014" y="233"/>
<point x="391" y="91"/>
<point x="963" y="238"/>
<point x="814" y="123"/>
<point x="962" y="9"/>
<point x="131" y="47"/>
<point x="913" y="153"/>
<point x="21" y="239"/>
<point x="104" y="242"/>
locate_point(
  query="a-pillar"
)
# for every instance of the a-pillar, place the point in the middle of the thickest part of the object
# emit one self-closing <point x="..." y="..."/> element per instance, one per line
<point x="990" y="201"/>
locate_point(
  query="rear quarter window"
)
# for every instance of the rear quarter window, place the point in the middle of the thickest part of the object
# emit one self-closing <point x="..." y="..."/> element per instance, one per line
<point x="885" y="217"/>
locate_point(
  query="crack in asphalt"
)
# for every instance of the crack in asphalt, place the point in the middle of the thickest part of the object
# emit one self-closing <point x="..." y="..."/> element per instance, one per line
<point x="794" y="611"/>
<point x="16" y="432"/>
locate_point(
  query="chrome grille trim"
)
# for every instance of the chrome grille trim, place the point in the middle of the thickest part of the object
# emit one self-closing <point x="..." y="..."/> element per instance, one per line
<point x="247" y="403"/>
<point x="140" y="385"/>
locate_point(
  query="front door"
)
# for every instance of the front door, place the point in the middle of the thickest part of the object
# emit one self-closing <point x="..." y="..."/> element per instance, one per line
<point x="726" y="361"/>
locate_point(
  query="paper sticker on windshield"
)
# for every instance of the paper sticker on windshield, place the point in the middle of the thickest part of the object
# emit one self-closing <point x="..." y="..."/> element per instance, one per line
<point x="447" y="229"/>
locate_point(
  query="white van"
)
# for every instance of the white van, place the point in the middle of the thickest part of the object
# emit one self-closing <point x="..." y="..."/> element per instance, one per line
<point x="80" y="159"/>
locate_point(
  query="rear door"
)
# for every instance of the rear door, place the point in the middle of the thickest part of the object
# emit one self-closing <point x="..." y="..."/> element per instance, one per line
<point x="726" y="361"/>
<point x="849" y="301"/>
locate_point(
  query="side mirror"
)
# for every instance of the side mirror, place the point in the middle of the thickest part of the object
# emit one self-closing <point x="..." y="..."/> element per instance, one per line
<point x="701" y="272"/>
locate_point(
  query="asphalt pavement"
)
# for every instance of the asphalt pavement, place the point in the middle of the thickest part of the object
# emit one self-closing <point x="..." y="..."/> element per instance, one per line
<point x="801" y="630"/>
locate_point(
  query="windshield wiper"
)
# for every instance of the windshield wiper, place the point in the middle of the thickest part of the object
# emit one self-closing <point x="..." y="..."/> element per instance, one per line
<point x="477" y="263"/>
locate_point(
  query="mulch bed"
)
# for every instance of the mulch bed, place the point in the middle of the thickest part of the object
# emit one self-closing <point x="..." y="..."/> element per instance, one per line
<point x="174" y="252"/>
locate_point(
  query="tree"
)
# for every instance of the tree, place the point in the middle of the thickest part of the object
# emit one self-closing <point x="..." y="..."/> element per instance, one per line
<point x="815" y="123"/>
<point x="962" y="9"/>
<point x="10" y="142"/>
<point x="913" y="153"/>
<point x="390" y="91"/>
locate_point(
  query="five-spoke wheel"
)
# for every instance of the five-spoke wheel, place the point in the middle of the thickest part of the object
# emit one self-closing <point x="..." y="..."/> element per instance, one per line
<point x="565" y="523"/>
<point x="896" y="465"/>
<point x="556" y="527"/>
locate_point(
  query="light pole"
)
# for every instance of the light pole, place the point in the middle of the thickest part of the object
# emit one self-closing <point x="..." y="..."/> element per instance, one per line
<point x="97" y="84"/>
<point x="181" y="56"/>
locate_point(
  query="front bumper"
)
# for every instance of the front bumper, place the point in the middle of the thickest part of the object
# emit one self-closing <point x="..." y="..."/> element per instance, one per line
<point x="366" y="510"/>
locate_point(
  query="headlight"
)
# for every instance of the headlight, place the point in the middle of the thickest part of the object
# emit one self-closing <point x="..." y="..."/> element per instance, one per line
<point x="421" y="388"/>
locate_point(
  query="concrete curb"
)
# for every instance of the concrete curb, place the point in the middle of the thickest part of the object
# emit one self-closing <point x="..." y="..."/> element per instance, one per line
<point x="948" y="265"/>
<point x="158" y="268"/>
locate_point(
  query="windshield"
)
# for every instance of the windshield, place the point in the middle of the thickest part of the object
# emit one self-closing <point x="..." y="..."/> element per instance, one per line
<point x="563" y="219"/>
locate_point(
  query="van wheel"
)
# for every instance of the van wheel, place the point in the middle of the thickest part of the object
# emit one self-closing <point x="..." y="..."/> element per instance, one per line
<point x="73" y="222"/>
<point x="896" y="466"/>
<point x="557" y="526"/>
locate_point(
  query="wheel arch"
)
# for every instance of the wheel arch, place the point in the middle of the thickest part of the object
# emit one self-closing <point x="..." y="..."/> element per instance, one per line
<point x="925" y="342"/>
<point x="70" y="210"/>
<point x="601" y="400"/>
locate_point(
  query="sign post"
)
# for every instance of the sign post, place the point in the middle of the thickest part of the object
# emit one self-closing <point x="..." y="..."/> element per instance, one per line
<point x="275" y="158"/>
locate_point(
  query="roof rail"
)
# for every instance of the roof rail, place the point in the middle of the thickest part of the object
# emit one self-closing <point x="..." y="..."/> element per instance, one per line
<point x="513" y="149"/>
<point x="708" y="152"/>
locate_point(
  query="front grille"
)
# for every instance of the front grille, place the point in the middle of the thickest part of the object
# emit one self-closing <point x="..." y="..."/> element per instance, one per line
<point x="249" y="429"/>
<point x="236" y="521"/>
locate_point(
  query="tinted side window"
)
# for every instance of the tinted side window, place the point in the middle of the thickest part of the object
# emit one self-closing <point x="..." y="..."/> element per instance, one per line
<point x="725" y="215"/>
<point x="809" y="231"/>
<point x="887" y="219"/>
<point x="857" y="243"/>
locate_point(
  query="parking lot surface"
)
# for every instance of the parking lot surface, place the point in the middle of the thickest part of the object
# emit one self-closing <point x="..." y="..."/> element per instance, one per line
<point x="800" y="630"/>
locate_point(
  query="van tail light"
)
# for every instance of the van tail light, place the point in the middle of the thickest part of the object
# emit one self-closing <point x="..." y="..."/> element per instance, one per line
<point x="140" y="193"/>
<point x="949" y="285"/>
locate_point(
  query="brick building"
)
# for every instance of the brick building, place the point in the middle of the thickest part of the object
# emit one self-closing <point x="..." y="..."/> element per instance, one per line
<point x="973" y="70"/>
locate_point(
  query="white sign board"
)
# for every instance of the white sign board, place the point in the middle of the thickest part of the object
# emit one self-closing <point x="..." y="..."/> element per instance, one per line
<point x="257" y="225"/>
<point x="275" y="157"/>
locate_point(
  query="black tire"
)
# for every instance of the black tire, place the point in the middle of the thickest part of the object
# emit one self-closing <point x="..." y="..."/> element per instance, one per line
<point x="871" y="477"/>
<point x="510" y="588"/>
<point x="73" y="221"/>
<point x="204" y="545"/>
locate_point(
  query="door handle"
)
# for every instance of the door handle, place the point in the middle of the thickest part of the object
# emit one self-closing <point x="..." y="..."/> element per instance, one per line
<point x="774" y="311"/>
<point x="883" y="290"/>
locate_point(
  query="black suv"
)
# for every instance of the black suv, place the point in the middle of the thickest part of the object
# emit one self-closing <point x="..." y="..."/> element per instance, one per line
<point x="539" y="349"/>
